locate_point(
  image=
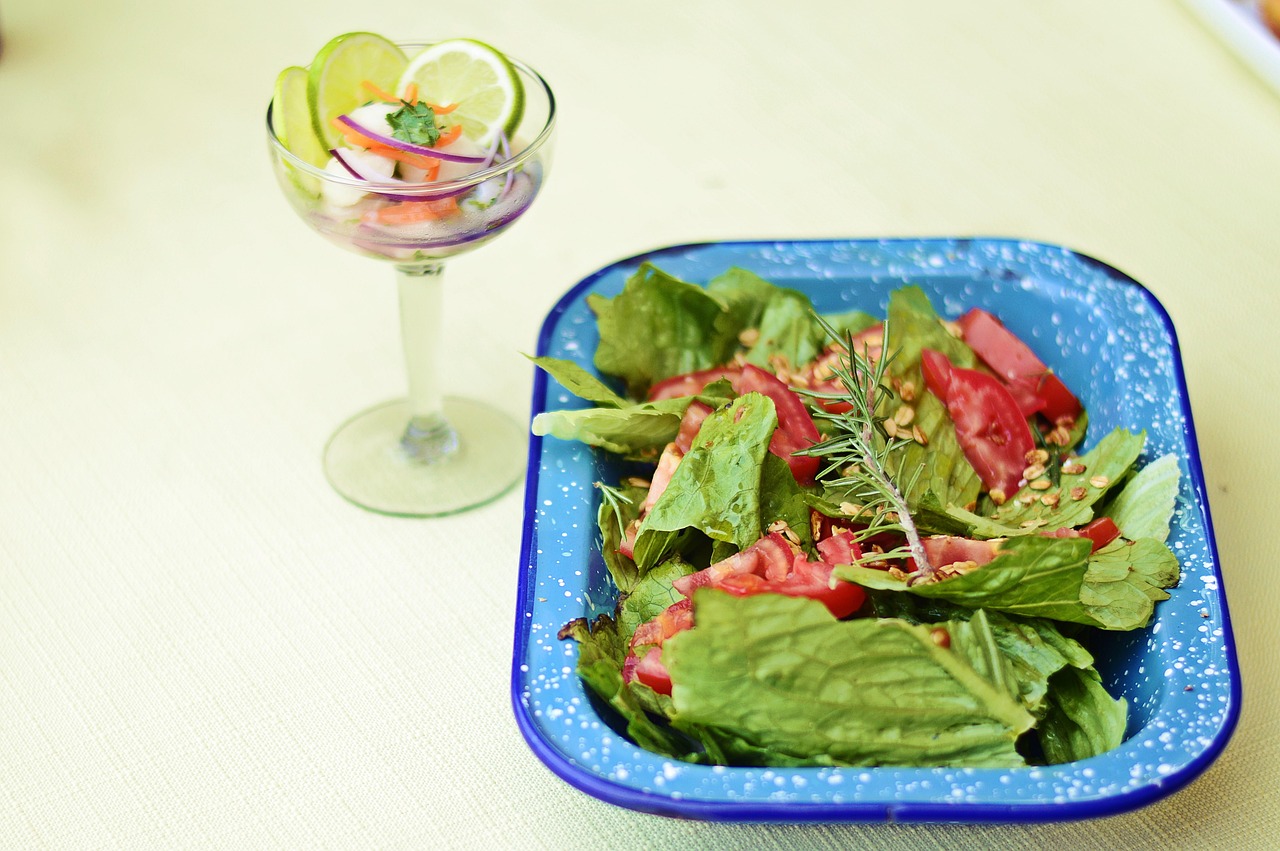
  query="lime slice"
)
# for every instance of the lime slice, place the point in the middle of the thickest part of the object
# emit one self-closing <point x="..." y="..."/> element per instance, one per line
<point x="291" y="117"/>
<point x="478" y="79"/>
<point x="335" y="84"/>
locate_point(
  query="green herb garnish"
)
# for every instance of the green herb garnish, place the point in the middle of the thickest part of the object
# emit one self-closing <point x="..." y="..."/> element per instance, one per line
<point x="414" y="123"/>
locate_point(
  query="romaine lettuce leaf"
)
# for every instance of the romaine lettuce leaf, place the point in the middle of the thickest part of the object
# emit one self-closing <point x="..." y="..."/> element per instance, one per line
<point x="781" y="676"/>
<point x="1082" y="720"/>
<point x="660" y="326"/>
<point x="1144" y="508"/>
<point x="579" y="382"/>
<point x="784" y="318"/>
<point x="601" y="651"/>
<point x="1105" y="466"/>
<point x="617" y="510"/>
<point x="651" y="595"/>
<point x="1126" y="579"/>
<point x="1047" y="577"/>
<point x="716" y="488"/>
<point x="946" y="477"/>
<point x="634" y="430"/>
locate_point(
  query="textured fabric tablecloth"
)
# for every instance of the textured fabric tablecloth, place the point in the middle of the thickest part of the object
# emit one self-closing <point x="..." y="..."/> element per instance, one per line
<point x="201" y="645"/>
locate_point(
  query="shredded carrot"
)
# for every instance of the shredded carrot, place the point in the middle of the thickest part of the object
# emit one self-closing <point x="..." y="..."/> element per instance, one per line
<point x="441" y="110"/>
<point x="407" y="212"/>
<point x="411" y="94"/>
<point x="449" y="136"/>
<point x="379" y="93"/>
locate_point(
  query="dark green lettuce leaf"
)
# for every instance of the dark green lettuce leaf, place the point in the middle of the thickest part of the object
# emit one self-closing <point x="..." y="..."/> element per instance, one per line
<point x="782" y="676"/>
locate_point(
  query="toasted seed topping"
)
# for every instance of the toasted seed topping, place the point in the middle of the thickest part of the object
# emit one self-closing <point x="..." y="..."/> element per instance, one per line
<point x="907" y="391"/>
<point x="1040" y="485"/>
<point x="1078" y="493"/>
<point x="1060" y="436"/>
<point x="1073" y="468"/>
<point x="904" y="415"/>
<point x="1026" y="498"/>
<point x="1034" y="523"/>
<point x="1037" y="456"/>
<point x="1099" y="481"/>
<point x="1033" y="472"/>
<point x="891" y="428"/>
<point x="918" y="436"/>
<point x="749" y="336"/>
<point x="1050" y="499"/>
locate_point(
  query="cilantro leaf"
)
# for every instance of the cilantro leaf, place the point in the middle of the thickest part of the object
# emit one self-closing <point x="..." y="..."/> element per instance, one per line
<point x="414" y="123"/>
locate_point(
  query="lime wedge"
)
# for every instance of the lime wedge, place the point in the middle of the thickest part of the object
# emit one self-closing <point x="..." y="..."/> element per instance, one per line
<point x="291" y="118"/>
<point x="477" y="79"/>
<point x="334" y="86"/>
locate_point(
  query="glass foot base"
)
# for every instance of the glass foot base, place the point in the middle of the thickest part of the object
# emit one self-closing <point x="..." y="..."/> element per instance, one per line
<point x="379" y="461"/>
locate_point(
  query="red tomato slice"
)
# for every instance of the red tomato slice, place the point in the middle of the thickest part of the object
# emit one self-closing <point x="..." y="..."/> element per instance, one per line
<point x="937" y="373"/>
<point x="991" y="430"/>
<point x="796" y="430"/>
<point x="1011" y="359"/>
<point x="650" y="671"/>
<point x="690" y="383"/>
<point x="771" y="565"/>
<point x="1100" y="532"/>
<point x="689" y="425"/>
<point x="942" y="550"/>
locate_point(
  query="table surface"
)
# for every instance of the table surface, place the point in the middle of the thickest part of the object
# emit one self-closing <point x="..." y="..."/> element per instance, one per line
<point x="201" y="645"/>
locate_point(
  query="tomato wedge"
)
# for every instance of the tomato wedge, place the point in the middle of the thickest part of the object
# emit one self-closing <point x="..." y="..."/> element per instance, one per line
<point x="1009" y="357"/>
<point x="795" y="431"/>
<point x="992" y="432"/>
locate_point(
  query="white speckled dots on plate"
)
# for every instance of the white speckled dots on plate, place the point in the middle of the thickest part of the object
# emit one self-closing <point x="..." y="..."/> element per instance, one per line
<point x="1108" y="338"/>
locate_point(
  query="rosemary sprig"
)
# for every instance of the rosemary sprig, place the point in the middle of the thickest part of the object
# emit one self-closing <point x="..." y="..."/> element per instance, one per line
<point x="613" y="498"/>
<point x="860" y="449"/>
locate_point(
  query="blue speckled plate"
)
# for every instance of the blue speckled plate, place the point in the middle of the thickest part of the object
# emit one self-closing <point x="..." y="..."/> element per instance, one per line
<point x="1109" y="339"/>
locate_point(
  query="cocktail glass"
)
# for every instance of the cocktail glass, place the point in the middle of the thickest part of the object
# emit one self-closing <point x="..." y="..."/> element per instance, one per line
<point x="427" y="454"/>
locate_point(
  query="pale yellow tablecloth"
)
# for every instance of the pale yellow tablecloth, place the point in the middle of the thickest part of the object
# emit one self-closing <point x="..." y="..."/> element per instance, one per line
<point x="202" y="646"/>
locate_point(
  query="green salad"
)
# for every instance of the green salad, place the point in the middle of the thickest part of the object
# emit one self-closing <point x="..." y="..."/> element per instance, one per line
<point x="850" y="539"/>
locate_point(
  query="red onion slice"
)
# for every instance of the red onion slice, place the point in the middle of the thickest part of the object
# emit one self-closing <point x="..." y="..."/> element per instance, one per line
<point x="407" y="147"/>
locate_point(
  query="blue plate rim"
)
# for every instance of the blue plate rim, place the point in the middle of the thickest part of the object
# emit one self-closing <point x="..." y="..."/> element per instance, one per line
<point x="618" y="794"/>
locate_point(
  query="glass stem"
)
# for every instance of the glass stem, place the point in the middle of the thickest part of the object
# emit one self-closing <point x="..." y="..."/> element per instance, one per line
<point x="428" y="436"/>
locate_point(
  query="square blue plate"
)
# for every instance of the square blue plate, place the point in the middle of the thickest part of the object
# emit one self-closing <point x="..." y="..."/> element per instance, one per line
<point x="1108" y="338"/>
